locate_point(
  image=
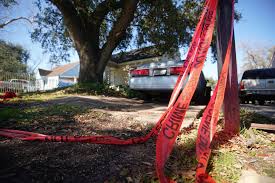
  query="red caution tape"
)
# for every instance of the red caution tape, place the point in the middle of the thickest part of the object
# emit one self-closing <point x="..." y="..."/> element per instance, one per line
<point x="168" y="126"/>
<point x="207" y="128"/>
<point x="7" y="96"/>
<point x="173" y="121"/>
<point x="187" y="66"/>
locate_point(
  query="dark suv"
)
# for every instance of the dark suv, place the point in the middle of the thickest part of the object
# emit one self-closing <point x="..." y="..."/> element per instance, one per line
<point x="257" y="85"/>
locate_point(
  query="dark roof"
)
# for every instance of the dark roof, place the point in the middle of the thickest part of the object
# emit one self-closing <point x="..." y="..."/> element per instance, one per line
<point x="134" y="55"/>
<point x="58" y="70"/>
<point x="44" y="72"/>
<point x="267" y="73"/>
<point x="137" y="54"/>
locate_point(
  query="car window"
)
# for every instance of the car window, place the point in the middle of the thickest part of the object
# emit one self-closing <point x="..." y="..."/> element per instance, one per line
<point x="259" y="74"/>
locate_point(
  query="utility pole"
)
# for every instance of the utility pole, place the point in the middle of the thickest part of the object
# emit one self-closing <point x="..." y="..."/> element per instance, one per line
<point x="231" y="106"/>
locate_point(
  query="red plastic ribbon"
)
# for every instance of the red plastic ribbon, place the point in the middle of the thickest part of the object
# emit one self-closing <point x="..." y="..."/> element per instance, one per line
<point x="7" y="96"/>
<point x="168" y="126"/>
<point x="207" y="128"/>
<point x="171" y="125"/>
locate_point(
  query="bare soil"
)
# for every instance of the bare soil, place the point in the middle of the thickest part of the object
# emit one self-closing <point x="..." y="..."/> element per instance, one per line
<point x="82" y="162"/>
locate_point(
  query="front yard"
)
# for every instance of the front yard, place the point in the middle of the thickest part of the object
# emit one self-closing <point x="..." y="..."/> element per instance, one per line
<point x="63" y="114"/>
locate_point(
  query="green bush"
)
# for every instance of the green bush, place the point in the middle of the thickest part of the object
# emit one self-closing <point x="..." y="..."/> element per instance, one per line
<point x="102" y="89"/>
<point x="127" y="92"/>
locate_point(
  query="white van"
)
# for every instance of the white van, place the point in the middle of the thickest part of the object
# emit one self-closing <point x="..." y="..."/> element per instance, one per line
<point x="258" y="85"/>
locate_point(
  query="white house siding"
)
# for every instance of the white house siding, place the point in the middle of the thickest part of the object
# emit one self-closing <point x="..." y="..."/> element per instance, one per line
<point x="40" y="83"/>
<point x="120" y="75"/>
<point x="51" y="82"/>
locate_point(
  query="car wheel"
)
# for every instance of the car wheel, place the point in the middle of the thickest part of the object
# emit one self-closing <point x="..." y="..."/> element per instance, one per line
<point x="243" y="101"/>
<point x="146" y="96"/>
<point x="261" y="102"/>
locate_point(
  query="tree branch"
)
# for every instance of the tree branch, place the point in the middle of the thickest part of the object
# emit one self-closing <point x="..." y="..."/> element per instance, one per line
<point x="13" y="20"/>
<point x="117" y="33"/>
<point x="83" y="9"/>
<point x="252" y="58"/>
<point x="104" y="8"/>
<point x="71" y="20"/>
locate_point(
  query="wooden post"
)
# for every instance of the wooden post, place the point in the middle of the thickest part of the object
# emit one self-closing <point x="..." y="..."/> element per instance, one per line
<point x="231" y="107"/>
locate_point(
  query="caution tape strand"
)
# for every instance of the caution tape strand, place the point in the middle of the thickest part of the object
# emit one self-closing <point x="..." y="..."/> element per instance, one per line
<point x="167" y="128"/>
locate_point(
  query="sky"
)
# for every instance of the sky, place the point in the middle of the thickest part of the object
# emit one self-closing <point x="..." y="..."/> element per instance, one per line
<point x="255" y="29"/>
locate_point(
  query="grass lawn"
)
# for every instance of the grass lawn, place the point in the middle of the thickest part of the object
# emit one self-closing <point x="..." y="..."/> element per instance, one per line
<point x="55" y="162"/>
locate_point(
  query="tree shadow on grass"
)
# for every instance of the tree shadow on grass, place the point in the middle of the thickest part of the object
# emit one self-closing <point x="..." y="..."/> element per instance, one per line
<point x="109" y="103"/>
<point x="95" y="102"/>
<point x="84" y="162"/>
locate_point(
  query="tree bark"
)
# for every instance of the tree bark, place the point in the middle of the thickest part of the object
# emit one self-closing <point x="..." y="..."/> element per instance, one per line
<point x="88" y="65"/>
<point x="85" y="34"/>
<point x="231" y="98"/>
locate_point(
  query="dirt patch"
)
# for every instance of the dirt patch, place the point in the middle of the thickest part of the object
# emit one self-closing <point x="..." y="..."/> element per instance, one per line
<point x="80" y="162"/>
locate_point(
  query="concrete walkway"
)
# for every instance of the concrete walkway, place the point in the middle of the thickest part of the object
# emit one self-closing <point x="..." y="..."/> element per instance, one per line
<point x="250" y="176"/>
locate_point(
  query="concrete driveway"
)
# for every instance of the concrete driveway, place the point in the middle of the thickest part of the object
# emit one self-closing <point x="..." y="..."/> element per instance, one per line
<point x="147" y="113"/>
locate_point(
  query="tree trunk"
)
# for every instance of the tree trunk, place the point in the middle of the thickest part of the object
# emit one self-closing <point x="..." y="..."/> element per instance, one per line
<point x="231" y="98"/>
<point x="85" y="35"/>
<point x="87" y="72"/>
<point x="88" y="59"/>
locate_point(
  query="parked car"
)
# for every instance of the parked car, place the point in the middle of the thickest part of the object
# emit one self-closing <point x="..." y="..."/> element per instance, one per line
<point x="161" y="77"/>
<point x="257" y="85"/>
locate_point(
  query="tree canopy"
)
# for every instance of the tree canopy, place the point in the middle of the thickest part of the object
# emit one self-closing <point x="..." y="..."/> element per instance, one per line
<point x="13" y="58"/>
<point x="97" y="28"/>
<point x="7" y="3"/>
<point x="165" y="24"/>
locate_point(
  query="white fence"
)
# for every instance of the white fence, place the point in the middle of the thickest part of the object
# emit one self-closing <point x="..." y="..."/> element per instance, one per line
<point x="18" y="82"/>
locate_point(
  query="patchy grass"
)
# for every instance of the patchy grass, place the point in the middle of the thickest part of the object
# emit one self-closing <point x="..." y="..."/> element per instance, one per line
<point x="225" y="164"/>
<point x="39" y="117"/>
<point x="8" y="113"/>
<point x="264" y="138"/>
<point x="36" y="97"/>
<point x="225" y="167"/>
<point x="261" y="153"/>
<point x="83" y="89"/>
<point x="182" y="163"/>
<point x="40" y="111"/>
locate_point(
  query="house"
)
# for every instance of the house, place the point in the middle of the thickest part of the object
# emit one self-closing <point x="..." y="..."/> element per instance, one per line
<point x="116" y="73"/>
<point x="60" y="76"/>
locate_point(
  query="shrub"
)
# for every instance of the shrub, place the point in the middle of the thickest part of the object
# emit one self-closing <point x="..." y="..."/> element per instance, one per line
<point x="102" y="89"/>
